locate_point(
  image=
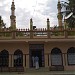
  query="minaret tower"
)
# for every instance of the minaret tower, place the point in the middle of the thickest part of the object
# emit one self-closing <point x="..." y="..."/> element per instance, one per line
<point x="13" y="17"/>
<point x="60" y="16"/>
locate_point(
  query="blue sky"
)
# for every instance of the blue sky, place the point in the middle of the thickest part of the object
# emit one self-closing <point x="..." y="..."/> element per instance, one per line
<point x="38" y="10"/>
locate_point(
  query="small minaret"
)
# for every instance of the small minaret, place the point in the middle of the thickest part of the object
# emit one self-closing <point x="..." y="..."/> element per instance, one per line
<point x="31" y="24"/>
<point x="13" y="17"/>
<point x="48" y="27"/>
<point x="48" y="24"/>
<point x="31" y="28"/>
<point x="60" y="16"/>
<point x="0" y="22"/>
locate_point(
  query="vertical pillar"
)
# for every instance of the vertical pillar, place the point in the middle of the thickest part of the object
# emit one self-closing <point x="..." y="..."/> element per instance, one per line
<point x="63" y="55"/>
<point x="65" y="27"/>
<point x="48" y="24"/>
<point x="23" y="60"/>
<point x="49" y="59"/>
<point x="66" y="63"/>
<point x="27" y="61"/>
<point x="13" y="34"/>
<point x="31" y="28"/>
<point x="10" y="60"/>
<point x="46" y="60"/>
<point x="66" y="33"/>
<point x="31" y="24"/>
<point x="48" y="28"/>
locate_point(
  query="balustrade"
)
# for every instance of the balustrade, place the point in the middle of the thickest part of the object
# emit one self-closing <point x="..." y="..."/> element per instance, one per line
<point x="37" y="33"/>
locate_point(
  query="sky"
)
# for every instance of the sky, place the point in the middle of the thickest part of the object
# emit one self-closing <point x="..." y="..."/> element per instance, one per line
<point x="38" y="10"/>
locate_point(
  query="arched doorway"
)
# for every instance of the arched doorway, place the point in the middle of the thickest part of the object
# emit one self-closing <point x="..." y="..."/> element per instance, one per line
<point x="4" y="58"/>
<point x="18" y="58"/>
<point x="56" y="57"/>
<point x="71" y="56"/>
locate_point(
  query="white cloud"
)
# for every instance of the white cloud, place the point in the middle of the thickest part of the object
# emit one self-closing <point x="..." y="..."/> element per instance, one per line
<point x="39" y="10"/>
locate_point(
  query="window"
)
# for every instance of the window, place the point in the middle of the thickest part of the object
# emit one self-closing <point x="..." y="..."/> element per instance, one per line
<point x="18" y="58"/>
<point x="56" y="56"/>
<point x="71" y="56"/>
<point x="4" y="58"/>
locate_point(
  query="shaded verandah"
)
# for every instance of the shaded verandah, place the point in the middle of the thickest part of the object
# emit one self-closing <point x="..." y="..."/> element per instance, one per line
<point x="18" y="61"/>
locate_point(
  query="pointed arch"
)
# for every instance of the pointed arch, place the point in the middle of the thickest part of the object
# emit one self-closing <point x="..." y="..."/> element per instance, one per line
<point x="4" y="58"/>
<point x="18" y="58"/>
<point x="56" y="55"/>
<point x="56" y="51"/>
<point x="71" y="56"/>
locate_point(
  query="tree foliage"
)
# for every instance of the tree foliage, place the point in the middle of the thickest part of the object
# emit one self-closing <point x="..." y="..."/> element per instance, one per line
<point x="2" y="24"/>
<point x="70" y="7"/>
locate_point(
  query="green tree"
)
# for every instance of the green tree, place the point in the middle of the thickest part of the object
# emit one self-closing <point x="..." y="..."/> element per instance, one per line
<point x="2" y="24"/>
<point x="70" y="8"/>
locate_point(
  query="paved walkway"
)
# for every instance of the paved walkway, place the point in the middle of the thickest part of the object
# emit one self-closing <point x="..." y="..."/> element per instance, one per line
<point x="41" y="73"/>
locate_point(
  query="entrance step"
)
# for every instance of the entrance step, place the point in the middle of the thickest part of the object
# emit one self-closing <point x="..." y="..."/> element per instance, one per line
<point x="32" y="70"/>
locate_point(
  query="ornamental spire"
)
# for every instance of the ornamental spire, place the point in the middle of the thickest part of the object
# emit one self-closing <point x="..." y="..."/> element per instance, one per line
<point x="60" y="16"/>
<point x="13" y="17"/>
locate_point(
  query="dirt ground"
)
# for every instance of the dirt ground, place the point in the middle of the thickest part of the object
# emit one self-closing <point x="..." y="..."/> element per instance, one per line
<point x="39" y="73"/>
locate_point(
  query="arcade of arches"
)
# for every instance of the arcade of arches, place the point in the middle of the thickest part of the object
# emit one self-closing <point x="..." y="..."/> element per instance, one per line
<point x="55" y="58"/>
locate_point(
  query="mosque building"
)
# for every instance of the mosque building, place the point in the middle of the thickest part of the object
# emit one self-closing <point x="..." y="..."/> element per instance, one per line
<point x="55" y="47"/>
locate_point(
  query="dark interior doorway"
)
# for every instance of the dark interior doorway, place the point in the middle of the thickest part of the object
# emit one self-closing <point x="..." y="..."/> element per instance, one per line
<point x="37" y="53"/>
<point x="36" y="50"/>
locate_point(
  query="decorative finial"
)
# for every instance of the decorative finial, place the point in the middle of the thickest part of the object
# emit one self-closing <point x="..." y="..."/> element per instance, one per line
<point x="58" y="0"/>
<point x="31" y="20"/>
<point x="13" y="0"/>
<point x="47" y="19"/>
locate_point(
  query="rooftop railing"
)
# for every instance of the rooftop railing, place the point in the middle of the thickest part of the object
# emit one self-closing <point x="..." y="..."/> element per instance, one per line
<point x="38" y="33"/>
